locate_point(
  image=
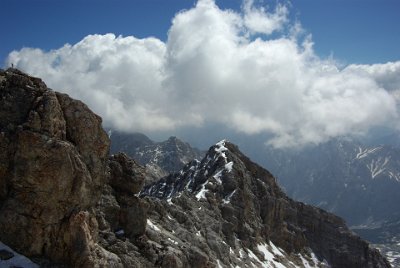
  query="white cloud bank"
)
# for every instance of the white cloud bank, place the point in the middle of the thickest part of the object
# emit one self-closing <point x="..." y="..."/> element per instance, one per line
<point x="213" y="69"/>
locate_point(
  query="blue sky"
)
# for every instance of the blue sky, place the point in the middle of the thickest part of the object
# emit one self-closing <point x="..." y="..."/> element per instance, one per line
<point x="299" y="72"/>
<point x="353" y="31"/>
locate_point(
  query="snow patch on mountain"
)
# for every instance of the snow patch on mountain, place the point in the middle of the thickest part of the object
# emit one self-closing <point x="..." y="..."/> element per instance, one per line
<point x="394" y="175"/>
<point x="227" y="199"/>
<point x="229" y="166"/>
<point x="381" y="161"/>
<point x="364" y="152"/>
<point x="220" y="148"/>
<point x="152" y="225"/>
<point x="378" y="166"/>
<point x="13" y="259"/>
<point x="202" y="193"/>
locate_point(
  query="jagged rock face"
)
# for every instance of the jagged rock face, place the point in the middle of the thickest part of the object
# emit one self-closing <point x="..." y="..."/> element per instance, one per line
<point x="159" y="158"/>
<point x="53" y="158"/>
<point x="126" y="175"/>
<point x="236" y="210"/>
<point x="126" y="180"/>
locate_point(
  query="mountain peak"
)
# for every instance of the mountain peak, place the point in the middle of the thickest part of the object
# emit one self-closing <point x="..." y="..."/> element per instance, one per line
<point x="221" y="148"/>
<point x="243" y="201"/>
<point x="159" y="158"/>
<point x="218" y="175"/>
<point x="173" y="139"/>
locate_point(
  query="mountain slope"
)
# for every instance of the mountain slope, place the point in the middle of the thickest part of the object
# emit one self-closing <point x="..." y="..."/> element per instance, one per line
<point x="359" y="183"/>
<point x="127" y="142"/>
<point x="247" y="219"/>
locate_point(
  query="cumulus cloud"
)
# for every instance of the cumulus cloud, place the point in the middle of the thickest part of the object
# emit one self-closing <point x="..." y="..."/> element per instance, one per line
<point x="386" y="76"/>
<point x="258" y="20"/>
<point x="118" y="77"/>
<point x="221" y="67"/>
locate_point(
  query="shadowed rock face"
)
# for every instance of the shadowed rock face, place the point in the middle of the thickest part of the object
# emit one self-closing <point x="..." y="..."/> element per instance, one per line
<point x="64" y="202"/>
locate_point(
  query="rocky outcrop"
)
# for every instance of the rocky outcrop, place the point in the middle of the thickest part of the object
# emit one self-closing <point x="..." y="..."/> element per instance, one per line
<point x="53" y="168"/>
<point x="126" y="175"/>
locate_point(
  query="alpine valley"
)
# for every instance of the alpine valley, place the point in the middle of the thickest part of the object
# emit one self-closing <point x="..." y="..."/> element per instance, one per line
<point x="66" y="202"/>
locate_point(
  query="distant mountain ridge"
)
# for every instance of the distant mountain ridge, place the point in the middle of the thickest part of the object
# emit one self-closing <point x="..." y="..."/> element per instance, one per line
<point x="357" y="182"/>
<point x="159" y="158"/>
